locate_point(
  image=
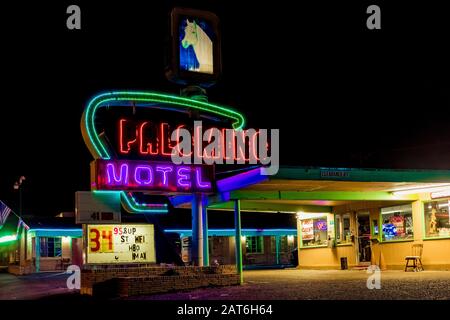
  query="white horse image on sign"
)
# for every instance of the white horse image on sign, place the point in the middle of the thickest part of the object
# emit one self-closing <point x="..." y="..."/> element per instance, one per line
<point x="197" y="38"/>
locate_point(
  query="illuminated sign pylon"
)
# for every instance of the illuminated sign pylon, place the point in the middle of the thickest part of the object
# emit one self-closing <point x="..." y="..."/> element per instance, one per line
<point x="126" y="176"/>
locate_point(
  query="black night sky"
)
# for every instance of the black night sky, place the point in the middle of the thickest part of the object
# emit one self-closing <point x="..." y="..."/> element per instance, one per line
<point x="341" y="95"/>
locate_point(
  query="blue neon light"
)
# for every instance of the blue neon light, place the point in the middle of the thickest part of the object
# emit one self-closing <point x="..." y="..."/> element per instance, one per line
<point x="231" y="232"/>
<point x="241" y="180"/>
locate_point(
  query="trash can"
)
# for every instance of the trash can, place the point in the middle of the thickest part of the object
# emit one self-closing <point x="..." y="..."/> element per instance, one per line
<point x="344" y="265"/>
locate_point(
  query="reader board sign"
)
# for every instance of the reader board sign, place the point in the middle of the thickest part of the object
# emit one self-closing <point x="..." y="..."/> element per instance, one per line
<point x="91" y="207"/>
<point x="120" y="243"/>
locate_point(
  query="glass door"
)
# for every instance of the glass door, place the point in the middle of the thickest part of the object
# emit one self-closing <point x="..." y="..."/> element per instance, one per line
<point x="363" y="248"/>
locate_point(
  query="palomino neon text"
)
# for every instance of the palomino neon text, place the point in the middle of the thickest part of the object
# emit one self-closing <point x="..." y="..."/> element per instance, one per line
<point x="213" y="146"/>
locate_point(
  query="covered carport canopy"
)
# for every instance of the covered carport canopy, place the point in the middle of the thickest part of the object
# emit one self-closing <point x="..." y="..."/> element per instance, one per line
<point x="301" y="189"/>
<point x="295" y="189"/>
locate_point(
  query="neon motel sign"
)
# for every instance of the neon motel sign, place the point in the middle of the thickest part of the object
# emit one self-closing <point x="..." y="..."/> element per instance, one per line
<point x="144" y="159"/>
<point x="153" y="176"/>
<point x="192" y="145"/>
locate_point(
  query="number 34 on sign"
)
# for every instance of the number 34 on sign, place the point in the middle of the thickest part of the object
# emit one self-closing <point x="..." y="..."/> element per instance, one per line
<point x="120" y="243"/>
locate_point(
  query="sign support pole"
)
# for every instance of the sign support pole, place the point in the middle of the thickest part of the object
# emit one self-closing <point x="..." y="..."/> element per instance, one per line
<point x="197" y="230"/>
<point x="237" y="227"/>
<point x="277" y="248"/>
<point x="37" y="245"/>
<point x="205" y="233"/>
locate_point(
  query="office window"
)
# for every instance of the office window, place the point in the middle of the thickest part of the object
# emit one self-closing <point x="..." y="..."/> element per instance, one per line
<point x="342" y="224"/>
<point x="314" y="231"/>
<point x="437" y="219"/>
<point x="254" y="244"/>
<point x="397" y="223"/>
<point x="375" y="228"/>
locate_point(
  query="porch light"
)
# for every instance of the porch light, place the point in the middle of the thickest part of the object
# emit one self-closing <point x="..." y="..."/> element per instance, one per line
<point x="66" y="239"/>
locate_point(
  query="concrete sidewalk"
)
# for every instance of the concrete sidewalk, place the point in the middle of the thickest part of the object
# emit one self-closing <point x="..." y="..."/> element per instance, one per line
<point x="33" y="286"/>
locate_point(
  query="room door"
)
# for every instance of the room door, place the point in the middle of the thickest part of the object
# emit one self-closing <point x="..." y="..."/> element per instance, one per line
<point x="363" y="248"/>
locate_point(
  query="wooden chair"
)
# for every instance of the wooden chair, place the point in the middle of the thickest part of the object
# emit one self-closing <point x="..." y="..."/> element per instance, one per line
<point x="416" y="258"/>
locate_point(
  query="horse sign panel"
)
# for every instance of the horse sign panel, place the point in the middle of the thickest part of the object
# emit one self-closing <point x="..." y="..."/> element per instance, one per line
<point x="195" y="57"/>
<point x="196" y="45"/>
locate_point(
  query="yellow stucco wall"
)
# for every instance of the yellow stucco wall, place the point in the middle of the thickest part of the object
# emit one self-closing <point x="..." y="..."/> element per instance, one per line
<point x="325" y="257"/>
<point x="436" y="254"/>
<point x="394" y="253"/>
<point x="66" y="248"/>
<point x="329" y="258"/>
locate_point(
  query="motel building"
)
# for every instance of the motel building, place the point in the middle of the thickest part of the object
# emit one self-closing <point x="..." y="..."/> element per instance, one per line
<point x="366" y="216"/>
<point x="30" y="244"/>
<point x="345" y="218"/>
<point x="265" y="241"/>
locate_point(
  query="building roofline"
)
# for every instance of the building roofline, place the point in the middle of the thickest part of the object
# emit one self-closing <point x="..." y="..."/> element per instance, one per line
<point x="362" y="174"/>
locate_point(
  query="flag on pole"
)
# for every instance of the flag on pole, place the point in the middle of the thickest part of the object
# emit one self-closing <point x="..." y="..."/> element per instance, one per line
<point x="4" y="213"/>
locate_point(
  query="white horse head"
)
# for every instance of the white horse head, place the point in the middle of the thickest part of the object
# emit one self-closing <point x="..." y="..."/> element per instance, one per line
<point x="197" y="38"/>
<point x="190" y="34"/>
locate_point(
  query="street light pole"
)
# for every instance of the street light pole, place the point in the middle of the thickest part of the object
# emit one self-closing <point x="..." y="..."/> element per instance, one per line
<point x="18" y="186"/>
<point x="20" y="203"/>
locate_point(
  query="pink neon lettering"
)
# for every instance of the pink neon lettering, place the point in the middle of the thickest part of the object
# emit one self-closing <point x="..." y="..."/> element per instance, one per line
<point x="138" y="175"/>
<point x="164" y="170"/>
<point x="178" y="151"/>
<point x="154" y="139"/>
<point x="123" y="177"/>
<point x="198" y="142"/>
<point x="149" y="146"/>
<point x="121" y="138"/>
<point x="133" y="175"/>
<point x="252" y="146"/>
<point x="183" y="178"/>
<point x="165" y="140"/>
<point x="201" y="184"/>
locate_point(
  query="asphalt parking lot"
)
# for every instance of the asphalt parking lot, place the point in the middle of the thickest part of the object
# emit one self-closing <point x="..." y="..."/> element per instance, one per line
<point x="34" y="286"/>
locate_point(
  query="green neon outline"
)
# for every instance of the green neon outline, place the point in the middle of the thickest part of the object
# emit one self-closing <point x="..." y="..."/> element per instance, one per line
<point x="96" y="146"/>
<point x="98" y="149"/>
<point x="133" y="207"/>
<point x="9" y="238"/>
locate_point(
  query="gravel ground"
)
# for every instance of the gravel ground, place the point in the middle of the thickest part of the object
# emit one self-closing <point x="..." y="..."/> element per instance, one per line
<point x="287" y="284"/>
<point x="292" y="284"/>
